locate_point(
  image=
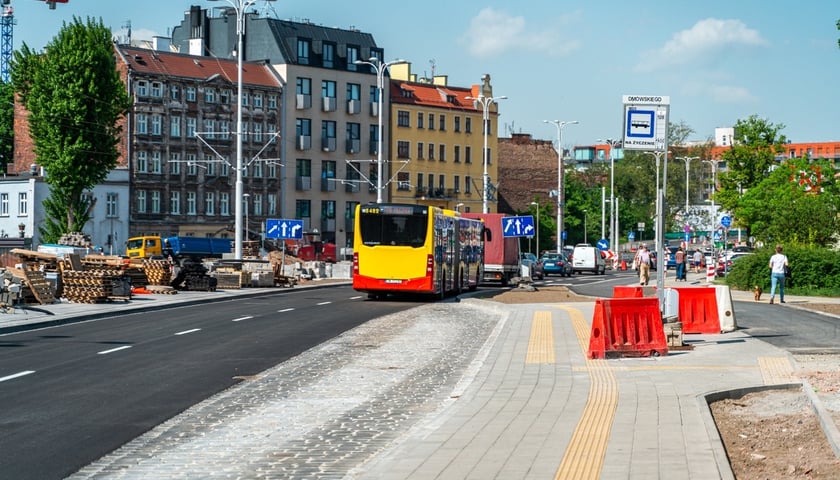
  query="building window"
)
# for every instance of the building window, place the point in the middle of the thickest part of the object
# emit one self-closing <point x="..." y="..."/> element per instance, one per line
<point x="303" y="86"/>
<point x="157" y="123"/>
<point x="258" y="210"/>
<point x="192" y="166"/>
<point x="224" y="204"/>
<point x="431" y="121"/>
<point x="224" y="96"/>
<point x="272" y="102"/>
<point x="468" y="125"/>
<point x="467" y="154"/>
<point x="403" y="181"/>
<point x="328" y="55"/>
<point x="142" y="89"/>
<point x="352" y="56"/>
<point x="303" y="209"/>
<point x="354" y="91"/>
<point x="175" y="203"/>
<point x="191" y="122"/>
<point x="23" y="204"/>
<point x="258" y="100"/>
<point x="174" y="92"/>
<point x="141" y="126"/>
<point x="272" y="204"/>
<point x="4" y="204"/>
<point x="420" y="150"/>
<point x="190" y="94"/>
<point x="175" y="163"/>
<point x="402" y="119"/>
<point x="209" y="95"/>
<point x="112" y="205"/>
<point x="210" y="165"/>
<point x="456" y="185"/>
<point x="442" y="153"/>
<point x="442" y="121"/>
<point x="142" y="162"/>
<point x="209" y="203"/>
<point x="467" y="184"/>
<point x="353" y="137"/>
<point x="191" y="203"/>
<point x="457" y="154"/>
<point x="402" y="149"/>
<point x="245" y="99"/>
<point x="419" y="119"/>
<point x="304" y="45"/>
<point x="419" y="181"/>
<point x="457" y="124"/>
<point x="431" y="151"/>
<point x="154" y="167"/>
<point x="157" y="89"/>
<point x="155" y="202"/>
<point x="175" y="127"/>
<point x="141" y="201"/>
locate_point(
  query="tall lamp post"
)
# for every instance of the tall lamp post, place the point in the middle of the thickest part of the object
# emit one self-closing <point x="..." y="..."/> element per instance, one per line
<point x="380" y="68"/>
<point x="584" y="227"/>
<point x="537" y="208"/>
<point x="687" y="161"/>
<point x="613" y="210"/>
<point x="239" y="6"/>
<point x="560" y="195"/>
<point x="485" y="103"/>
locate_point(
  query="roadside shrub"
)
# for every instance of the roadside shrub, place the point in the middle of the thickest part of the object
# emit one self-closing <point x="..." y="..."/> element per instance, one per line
<point x="814" y="271"/>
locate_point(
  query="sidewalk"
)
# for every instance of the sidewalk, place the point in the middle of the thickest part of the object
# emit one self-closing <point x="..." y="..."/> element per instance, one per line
<point x="469" y="389"/>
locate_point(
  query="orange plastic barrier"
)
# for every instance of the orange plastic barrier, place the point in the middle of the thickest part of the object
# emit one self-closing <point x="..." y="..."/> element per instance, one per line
<point x="698" y="310"/>
<point x="627" y="327"/>
<point x="628" y="291"/>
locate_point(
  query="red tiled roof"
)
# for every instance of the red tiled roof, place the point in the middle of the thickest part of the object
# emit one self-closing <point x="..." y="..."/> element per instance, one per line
<point x="156" y="62"/>
<point x="431" y="95"/>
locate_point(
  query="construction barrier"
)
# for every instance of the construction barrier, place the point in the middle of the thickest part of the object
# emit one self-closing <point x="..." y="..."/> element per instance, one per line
<point x="627" y="327"/>
<point x="711" y="271"/>
<point x="698" y="309"/>
<point x="726" y="313"/>
<point x="628" y="291"/>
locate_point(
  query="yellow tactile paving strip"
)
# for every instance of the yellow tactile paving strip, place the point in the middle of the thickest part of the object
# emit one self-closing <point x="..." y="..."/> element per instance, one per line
<point x="776" y="370"/>
<point x="541" y="342"/>
<point x="584" y="457"/>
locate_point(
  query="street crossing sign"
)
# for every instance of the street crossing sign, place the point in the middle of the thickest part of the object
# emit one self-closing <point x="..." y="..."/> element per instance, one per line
<point x="518" y="226"/>
<point x="283" y="228"/>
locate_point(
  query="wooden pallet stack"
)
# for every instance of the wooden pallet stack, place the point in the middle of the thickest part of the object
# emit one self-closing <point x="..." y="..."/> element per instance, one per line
<point x="96" y="286"/>
<point x="37" y="288"/>
<point x="158" y="272"/>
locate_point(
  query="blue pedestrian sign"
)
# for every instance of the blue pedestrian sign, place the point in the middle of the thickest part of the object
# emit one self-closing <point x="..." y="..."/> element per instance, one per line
<point x="603" y="244"/>
<point x="284" y="228"/>
<point x="518" y="226"/>
<point x="631" y="236"/>
<point x="726" y="221"/>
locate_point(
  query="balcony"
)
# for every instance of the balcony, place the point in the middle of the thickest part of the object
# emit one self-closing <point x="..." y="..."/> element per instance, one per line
<point x="328" y="104"/>
<point x="353" y="146"/>
<point x="354" y="107"/>
<point x="303" y="102"/>
<point x="304" y="142"/>
<point x="328" y="144"/>
<point x="303" y="183"/>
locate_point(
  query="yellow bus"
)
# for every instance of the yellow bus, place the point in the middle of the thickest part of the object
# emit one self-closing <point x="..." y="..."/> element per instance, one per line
<point x="405" y="248"/>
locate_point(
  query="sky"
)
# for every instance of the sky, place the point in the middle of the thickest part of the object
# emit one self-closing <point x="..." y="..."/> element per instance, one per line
<point x="568" y="60"/>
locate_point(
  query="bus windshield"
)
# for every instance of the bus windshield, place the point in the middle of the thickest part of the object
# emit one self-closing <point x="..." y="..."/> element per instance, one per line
<point x="395" y="230"/>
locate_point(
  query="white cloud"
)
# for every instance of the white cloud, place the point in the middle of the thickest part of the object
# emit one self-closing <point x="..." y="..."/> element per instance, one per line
<point x="700" y="43"/>
<point x="493" y="32"/>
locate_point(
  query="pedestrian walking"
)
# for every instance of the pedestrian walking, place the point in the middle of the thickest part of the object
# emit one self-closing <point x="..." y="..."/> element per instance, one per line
<point x="778" y="263"/>
<point x="679" y="259"/>
<point x="643" y="261"/>
<point x="698" y="260"/>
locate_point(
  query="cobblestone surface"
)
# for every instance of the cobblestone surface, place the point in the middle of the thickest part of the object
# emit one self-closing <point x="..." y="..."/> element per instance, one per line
<point x="322" y="413"/>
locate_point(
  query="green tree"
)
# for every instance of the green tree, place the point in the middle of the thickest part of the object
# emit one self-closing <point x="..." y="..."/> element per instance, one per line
<point x="798" y="203"/>
<point x="75" y="98"/>
<point x="7" y="125"/>
<point x="750" y="159"/>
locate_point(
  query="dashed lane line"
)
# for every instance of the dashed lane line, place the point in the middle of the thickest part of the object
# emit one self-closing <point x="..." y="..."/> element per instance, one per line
<point x="243" y="318"/>
<point x="17" y="375"/>
<point x="117" y="349"/>
<point x="188" y="331"/>
<point x="285" y="310"/>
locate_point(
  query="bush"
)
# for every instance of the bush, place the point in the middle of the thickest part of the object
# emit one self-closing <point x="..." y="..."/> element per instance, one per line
<point x="814" y="271"/>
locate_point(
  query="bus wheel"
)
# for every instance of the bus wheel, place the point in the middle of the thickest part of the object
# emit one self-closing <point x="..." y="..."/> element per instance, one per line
<point x="374" y="296"/>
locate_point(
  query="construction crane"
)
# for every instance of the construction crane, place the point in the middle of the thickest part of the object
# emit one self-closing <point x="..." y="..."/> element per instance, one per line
<point x="7" y="22"/>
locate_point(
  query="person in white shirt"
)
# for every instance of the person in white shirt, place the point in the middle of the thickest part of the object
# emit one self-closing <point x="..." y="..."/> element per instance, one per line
<point x="778" y="262"/>
<point x="643" y="261"/>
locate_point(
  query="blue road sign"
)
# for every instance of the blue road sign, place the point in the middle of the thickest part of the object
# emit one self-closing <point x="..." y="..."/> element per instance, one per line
<point x="631" y="236"/>
<point x="603" y="244"/>
<point x="283" y="228"/>
<point x="518" y="226"/>
<point x="726" y="221"/>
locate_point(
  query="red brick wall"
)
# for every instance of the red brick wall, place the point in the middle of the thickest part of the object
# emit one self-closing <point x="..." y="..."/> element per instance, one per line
<point x="527" y="169"/>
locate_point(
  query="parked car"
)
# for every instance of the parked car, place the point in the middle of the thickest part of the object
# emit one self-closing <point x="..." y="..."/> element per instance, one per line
<point x="556" y="264"/>
<point x="534" y="264"/>
<point x="725" y="265"/>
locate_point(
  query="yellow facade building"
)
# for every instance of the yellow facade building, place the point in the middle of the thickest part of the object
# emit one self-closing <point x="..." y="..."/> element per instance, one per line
<point x="436" y="142"/>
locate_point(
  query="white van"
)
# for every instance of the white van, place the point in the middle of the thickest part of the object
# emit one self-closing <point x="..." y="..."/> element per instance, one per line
<point x="587" y="258"/>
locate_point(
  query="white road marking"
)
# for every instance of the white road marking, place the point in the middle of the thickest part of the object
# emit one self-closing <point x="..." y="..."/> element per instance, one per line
<point x="105" y="352"/>
<point x="242" y="318"/>
<point x="188" y="331"/>
<point x="323" y="303"/>
<point x="356" y="297"/>
<point x="285" y="310"/>
<point x="20" y="374"/>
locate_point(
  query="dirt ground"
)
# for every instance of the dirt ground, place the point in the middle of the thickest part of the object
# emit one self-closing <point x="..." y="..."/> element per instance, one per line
<point x="768" y="435"/>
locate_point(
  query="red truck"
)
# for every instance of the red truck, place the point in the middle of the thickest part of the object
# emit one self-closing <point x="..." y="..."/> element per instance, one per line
<point x="501" y="254"/>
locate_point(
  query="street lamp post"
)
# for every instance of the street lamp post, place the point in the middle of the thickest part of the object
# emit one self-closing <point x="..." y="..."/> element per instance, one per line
<point x="239" y="6"/>
<point x="713" y="164"/>
<point x="247" y="197"/>
<point x="560" y="195"/>
<point x="537" y="208"/>
<point x="485" y="103"/>
<point x="613" y="211"/>
<point x="380" y="68"/>
<point x="687" y="161"/>
<point x="584" y="227"/>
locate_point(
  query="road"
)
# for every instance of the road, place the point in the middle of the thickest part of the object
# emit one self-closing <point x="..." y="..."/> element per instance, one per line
<point x="85" y="389"/>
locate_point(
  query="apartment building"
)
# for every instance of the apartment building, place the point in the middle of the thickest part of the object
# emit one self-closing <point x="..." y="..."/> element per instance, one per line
<point x="437" y="142"/>
<point x="181" y="142"/>
<point x="329" y="113"/>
